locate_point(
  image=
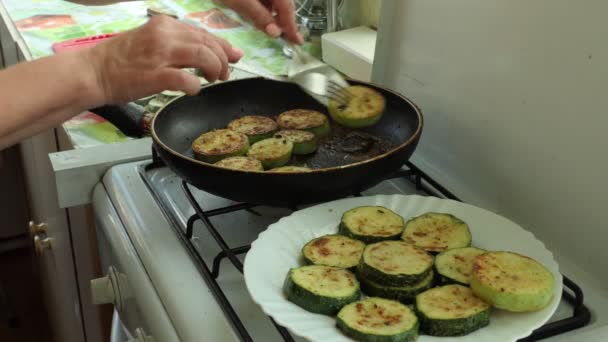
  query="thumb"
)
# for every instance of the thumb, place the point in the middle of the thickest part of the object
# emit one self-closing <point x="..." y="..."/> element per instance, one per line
<point x="177" y="79"/>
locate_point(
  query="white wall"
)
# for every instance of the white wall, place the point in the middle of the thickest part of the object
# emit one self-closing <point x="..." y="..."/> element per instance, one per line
<point x="515" y="98"/>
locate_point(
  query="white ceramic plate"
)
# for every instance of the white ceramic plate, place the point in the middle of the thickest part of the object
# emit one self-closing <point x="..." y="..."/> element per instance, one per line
<point x="278" y="249"/>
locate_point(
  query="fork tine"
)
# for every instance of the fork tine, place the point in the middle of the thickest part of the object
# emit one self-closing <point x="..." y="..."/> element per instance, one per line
<point x="339" y="93"/>
<point x="340" y="99"/>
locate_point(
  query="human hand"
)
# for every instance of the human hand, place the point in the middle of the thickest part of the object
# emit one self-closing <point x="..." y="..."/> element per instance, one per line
<point x="149" y="59"/>
<point x="259" y="12"/>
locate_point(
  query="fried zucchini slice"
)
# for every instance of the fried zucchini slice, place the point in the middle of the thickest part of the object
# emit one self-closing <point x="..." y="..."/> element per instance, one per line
<point x="241" y="163"/>
<point x="290" y="168"/>
<point x="394" y="263"/>
<point x="271" y="152"/>
<point x="304" y="142"/>
<point x="371" y="224"/>
<point x="512" y="282"/>
<point x="451" y="310"/>
<point x="437" y="232"/>
<point x="364" y="108"/>
<point x="333" y="250"/>
<point x="455" y="266"/>
<point x="321" y="289"/>
<point x="403" y="294"/>
<point x="255" y="127"/>
<point x="305" y="119"/>
<point x="216" y="145"/>
<point x="378" y="320"/>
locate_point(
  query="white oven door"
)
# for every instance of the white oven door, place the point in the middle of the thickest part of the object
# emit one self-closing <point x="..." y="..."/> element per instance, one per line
<point x="126" y="285"/>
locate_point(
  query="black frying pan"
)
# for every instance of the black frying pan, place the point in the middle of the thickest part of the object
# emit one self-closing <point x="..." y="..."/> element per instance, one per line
<point x="347" y="162"/>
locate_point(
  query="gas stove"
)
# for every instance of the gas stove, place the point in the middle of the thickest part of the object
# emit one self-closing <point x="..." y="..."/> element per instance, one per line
<point x="191" y="246"/>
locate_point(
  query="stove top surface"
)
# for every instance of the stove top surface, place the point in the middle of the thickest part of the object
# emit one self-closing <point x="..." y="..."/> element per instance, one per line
<point x="144" y="187"/>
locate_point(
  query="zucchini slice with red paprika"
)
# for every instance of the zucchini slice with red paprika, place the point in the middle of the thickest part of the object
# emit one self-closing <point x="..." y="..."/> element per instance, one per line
<point x="451" y="310"/>
<point x="305" y="119"/>
<point x="371" y="224"/>
<point x="272" y="152"/>
<point x="378" y="320"/>
<point x="437" y="232"/>
<point x="216" y="145"/>
<point x="512" y="282"/>
<point x="321" y="289"/>
<point x="394" y="263"/>
<point x="333" y="250"/>
<point x="455" y="266"/>
<point x="255" y="127"/>
<point x="364" y="107"/>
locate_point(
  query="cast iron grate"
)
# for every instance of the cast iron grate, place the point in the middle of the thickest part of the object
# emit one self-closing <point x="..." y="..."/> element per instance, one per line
<point x="572" y="293"/>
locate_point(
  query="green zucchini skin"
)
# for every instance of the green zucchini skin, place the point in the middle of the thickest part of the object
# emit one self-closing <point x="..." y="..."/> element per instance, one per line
<point x="272" y="152"/>
<point x="380" y="276"/>
<point x="407" y="334"/>
<point x="452" y="295"/>
<point x="314" y="302"/>
<point x="512" y="282"/>
<point x="374" y="214"/>
<point x="367" y="239"/>
<point x="320" y="131"/>
<point x="258" y="137"/>
<point x="455" y="266"/>
<point x="403" y="294"/>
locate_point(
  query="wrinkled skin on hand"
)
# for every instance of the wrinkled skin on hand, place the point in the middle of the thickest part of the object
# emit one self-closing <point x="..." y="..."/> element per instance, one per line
<point x="149" y="59"/>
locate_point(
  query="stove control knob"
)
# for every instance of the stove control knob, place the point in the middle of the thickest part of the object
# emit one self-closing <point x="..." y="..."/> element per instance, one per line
<point x="111" y="289"/>
<point x="140" y="336"/>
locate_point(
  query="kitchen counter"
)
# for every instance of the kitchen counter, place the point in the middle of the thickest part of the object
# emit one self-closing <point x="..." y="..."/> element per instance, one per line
<point x="36" y="24"/>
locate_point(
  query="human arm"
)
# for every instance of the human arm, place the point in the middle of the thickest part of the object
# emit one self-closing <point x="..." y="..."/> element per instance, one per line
<point x="37" y="95"/>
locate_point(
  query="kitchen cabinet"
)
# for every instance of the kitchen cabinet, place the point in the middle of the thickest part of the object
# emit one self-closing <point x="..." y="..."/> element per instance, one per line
<point x="65" y="251"/>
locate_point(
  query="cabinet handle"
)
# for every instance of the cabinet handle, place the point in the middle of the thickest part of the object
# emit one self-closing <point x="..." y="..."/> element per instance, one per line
<point x="41" y="244"/>
<point x="37" y="228"/>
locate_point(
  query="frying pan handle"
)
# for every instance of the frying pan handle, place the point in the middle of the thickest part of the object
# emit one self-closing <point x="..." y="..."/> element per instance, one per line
<point x="132" y="119"/>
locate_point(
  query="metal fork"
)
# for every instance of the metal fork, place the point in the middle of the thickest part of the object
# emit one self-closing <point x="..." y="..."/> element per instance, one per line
<point x="317" y="78"/>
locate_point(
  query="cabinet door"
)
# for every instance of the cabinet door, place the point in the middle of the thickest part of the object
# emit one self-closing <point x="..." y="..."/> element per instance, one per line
<point x="54" y="248"/>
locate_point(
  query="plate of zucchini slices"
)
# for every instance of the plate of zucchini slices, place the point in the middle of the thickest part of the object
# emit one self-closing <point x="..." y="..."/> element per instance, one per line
<point x="402" y="268"/>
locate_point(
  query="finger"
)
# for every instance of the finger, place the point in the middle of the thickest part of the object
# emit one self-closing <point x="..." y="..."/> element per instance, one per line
<point x="258" y="14"/>
<point x="176" y="79"/>
<point x="234" y="54"/>
<point x="198" y="56"/>
<point x="287" y="20"/>
<point x="221" y="54"/>
<point x="193" y="34"/>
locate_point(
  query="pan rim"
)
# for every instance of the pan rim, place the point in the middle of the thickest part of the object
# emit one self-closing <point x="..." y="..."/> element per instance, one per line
<point x="392" y="151"/>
